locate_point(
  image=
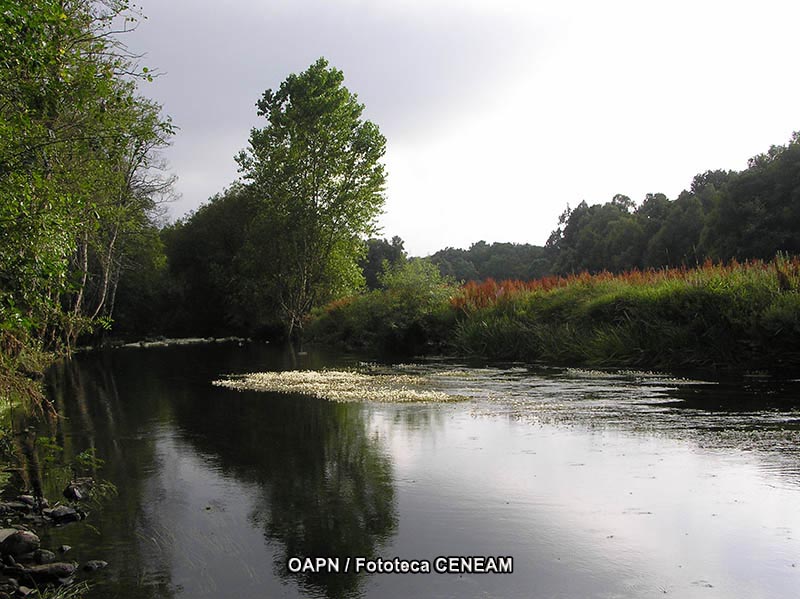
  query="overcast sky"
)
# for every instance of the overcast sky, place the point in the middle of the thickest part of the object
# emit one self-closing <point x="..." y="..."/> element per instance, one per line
<point x="497" y="113"/>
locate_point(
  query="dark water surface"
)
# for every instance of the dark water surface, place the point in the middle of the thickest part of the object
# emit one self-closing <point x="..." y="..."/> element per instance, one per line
<point x="597" y="484"/>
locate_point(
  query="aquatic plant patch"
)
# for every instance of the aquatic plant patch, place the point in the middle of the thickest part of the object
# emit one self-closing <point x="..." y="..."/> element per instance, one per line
<point x="343" y="385"/>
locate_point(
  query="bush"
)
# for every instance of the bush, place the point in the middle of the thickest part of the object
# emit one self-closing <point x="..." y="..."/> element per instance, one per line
<point x="410" y="314"/>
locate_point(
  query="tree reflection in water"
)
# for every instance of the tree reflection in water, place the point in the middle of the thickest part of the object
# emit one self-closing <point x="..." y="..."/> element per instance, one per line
<point x="96" y="415"/>
<point x="321" y="482"/>
<point x="326" y="483"/>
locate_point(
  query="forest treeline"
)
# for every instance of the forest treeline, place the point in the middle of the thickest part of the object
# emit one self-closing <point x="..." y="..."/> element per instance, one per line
<point x="724" y="215"/>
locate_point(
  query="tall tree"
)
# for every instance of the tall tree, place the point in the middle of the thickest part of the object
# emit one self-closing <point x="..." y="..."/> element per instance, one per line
<point x="316" y="173"/>
<point x="77" y="155"/>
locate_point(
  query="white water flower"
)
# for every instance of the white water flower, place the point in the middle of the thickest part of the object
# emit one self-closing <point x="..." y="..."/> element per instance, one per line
<point x="342" y="385"/>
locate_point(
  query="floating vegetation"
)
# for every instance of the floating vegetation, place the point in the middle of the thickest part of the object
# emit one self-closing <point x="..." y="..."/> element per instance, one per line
<point x="344" y="385"/>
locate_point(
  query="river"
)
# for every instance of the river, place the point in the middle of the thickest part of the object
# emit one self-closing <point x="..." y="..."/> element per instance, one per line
<point x="595" y="483"/>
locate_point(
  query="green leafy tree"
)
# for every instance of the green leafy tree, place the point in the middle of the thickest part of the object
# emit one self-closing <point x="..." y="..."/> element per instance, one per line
<point x="316" y="174"/>
<point x="599" y="237"/>
<point x="78" y="168"/>
<point x="756" y="213"/>
<point x="381" y="254"/>
<point x="203" y="253"/>
<point x="675" y="241"/>
<point x="497" y="261"/>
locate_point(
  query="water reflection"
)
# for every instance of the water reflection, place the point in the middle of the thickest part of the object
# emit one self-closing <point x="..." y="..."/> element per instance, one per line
<point x="597" y="483"/>
<point x="96" y="416"/>
<point x="325" y="485"/>
<point x="312" y="476"/>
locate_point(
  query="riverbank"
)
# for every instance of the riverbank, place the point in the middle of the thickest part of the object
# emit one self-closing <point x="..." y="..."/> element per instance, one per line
<point x="27" y="567"/>
<point x="738" y="316"/>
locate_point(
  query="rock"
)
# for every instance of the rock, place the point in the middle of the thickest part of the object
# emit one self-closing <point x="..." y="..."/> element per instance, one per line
<point x="63" y="514"/>
<point x="20" y="542"/>
<point x="8" y="585"/>
<point x="73" y="492"/>
<point x="43" y="556"/>
<point x="34" y="519"/>
<point x="94" y="564"/>
<point x="25" y="591"/>
<point x="78" y="490"/>
<point x="64" y="548"/>
<point x="7" y="532"/>
<point x="31" y="501"/>
<point x="14" y="507"/>
<point x="55" y="572"/>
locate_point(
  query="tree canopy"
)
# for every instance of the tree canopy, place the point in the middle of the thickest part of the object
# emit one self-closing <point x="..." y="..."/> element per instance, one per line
<point x="724" y="215"/>
<point x="492" y="261"/>
<point x="315" y="172"/>
<point x="381" y="255"/>
<point x="291" y="234"/>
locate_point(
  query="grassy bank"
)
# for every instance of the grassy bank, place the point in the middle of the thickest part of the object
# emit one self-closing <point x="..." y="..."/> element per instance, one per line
<point x="733" y="316"/>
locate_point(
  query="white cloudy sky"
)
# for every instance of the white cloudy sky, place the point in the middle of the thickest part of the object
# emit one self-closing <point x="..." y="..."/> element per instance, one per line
<point x="497" y="113"/>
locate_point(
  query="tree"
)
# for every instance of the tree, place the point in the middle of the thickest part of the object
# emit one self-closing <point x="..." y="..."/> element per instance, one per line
<point x="381" y="255"/>
<point x="203" y="252"/>
<point x="598" y="237"/>
<point x="756" y="212"/>
<point x="78" y="171"/>
<point x="497" y="261"/>
<point x="316" y="174"/>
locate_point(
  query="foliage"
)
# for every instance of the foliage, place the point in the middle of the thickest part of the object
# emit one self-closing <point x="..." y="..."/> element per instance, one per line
<point x="758" y="212"/>
<point x="204" y="259"/>
<point x="408" y="314"/>
<point x="78" y="170"/>
<point x="713" y="316"/>
<point x="144" y="298"/>
<point x="269" y="249"/>
<point x="381" y="253"/>
<point x="87" y="462"/>
<point x="493" y="261"/>
<point x="724" y="215"/>
<point x="69" y="591"/>
<point x="315" y="173"/>
<point x="48" y="450"/>
<point x="22" y="360"/>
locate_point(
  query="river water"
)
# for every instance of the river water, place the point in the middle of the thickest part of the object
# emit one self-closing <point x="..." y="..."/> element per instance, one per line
<point x="596" y="484"/>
